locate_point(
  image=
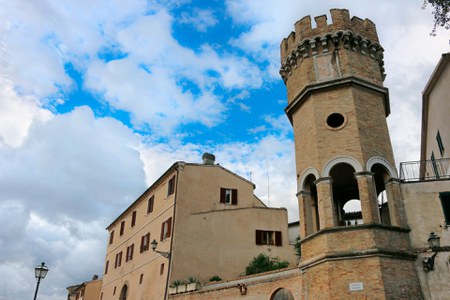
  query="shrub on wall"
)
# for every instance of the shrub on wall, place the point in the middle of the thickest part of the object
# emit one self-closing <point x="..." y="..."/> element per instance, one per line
<point x="263" y="263"/>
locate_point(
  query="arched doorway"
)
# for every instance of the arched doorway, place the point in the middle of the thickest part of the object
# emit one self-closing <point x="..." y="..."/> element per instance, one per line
<point x="282" y="294"/>
<point x="124" y="293"/>
<point x="312" y="209"/>
<point x="380" y="177"/>
<point x="345" y="188"/>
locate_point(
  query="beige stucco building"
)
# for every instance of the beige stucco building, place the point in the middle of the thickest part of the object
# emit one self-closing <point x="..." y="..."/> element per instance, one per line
<point x="435" y="111"/>
<point x="89" y="290"/>
<point x="209" y="220"/>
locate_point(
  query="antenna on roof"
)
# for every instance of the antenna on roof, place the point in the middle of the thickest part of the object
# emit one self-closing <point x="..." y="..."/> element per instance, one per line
<point x="268" y="183"/>
<point x="249" y="174"/>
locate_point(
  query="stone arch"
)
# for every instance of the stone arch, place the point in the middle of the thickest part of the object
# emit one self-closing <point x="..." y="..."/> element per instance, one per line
<point x="341" y="159"/>
<point x="124" y="292"/>
<point x="309" y="171"/>
<point x="308" y="203"/>
<point x="382" y="161"/>
<point x="344" y="188"/>
<point x="282" y="294"/>
<point x="381" y="174"/>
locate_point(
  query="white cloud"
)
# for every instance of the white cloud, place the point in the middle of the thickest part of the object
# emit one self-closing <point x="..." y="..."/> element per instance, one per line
<point x="60" y="188"/>
<point x="200" y="19"/>
<point x="17" y="113"/>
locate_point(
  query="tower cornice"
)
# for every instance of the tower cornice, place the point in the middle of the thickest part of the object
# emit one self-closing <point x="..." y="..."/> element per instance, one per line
<point x="333" y="84"/>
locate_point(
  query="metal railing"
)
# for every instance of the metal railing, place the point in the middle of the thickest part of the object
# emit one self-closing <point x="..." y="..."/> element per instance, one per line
<point x="435" y="169"/>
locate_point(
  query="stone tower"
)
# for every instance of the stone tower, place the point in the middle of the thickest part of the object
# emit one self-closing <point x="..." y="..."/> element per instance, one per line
<point x="338" y="106"/>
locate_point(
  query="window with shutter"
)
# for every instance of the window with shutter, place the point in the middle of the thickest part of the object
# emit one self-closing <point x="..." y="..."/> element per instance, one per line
<point x="171" y="186"/>
<point x="166" y="228"/>
<point x="228" y="196"/>
<point x="234" y="198"/>
<point x="145" y="242"/>
<point x="111" y="237"/>
<point x="150" y="204"/>
<point x="130" y="250"/>
<point x="258" y="237"/>
<point x="133" y="219"/>
<point x="267" y="237"/>
<point x="277" y="238"/>
<point x="122" y="228"/>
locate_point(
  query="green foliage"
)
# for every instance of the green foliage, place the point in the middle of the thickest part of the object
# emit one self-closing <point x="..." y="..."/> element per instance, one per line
<point x="263" y="263"/>
<point x="297" y="246"/>
<point x="441" y="13"/>
<point x="191" y="279"/>
<point x="176" y="283"/>
<point x="215" y="278"/>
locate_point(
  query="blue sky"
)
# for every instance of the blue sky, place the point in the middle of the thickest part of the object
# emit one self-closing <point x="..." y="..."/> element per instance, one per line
<point x="98" y="98"/>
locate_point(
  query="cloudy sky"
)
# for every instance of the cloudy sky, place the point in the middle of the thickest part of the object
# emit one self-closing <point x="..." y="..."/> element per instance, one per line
<point x="99" y="97"/>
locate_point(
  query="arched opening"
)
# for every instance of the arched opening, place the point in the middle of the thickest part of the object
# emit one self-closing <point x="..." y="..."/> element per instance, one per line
<point x="312" y="209"/>
<point x="353" y="215"/>
<point x="124" y="293"/>
<point x="345" y="188"/>
<point x="282" y="294"/>
<point x="380" y="177"/>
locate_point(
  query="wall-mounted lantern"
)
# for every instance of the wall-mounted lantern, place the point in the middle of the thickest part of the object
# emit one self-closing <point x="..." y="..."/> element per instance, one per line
<point x="434" y="242"/>
<point x="154" y="244"/>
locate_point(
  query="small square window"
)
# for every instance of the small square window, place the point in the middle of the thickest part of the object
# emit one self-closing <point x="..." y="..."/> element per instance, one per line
<point x="228" y="196"/>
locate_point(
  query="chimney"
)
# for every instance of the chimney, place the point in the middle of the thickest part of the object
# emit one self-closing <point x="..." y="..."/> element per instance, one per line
<point x="208" y="158"/>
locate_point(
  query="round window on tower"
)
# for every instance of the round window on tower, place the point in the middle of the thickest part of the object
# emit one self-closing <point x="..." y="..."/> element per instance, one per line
<point x="336" y="121"/>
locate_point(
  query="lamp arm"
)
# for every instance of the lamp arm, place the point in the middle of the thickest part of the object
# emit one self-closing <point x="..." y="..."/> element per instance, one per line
<point x="164" y="254"/>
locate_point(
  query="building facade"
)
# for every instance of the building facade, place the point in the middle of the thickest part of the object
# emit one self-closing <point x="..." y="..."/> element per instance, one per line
<point x="435" y="142"/>
<point x="206" y="217"/>
<point x="89" y="290"/>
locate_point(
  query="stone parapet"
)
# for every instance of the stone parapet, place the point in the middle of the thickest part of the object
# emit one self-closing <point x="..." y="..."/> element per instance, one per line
<point x="355" y="35"/>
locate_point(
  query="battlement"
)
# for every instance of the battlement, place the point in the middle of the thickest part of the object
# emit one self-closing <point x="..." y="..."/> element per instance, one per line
<point x="340" y="22"/>
<point x="353" y="34"/>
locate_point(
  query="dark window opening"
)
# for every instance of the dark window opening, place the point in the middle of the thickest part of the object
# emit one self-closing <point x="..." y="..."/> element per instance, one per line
<point x="150" y="204"/>
<point x="335" y="120"/>
<point x="445" y="202"/>
<point x="166" y="227"/>
<point x="122" y="228"/>
<point x="145" y="242"/>
<point x="111" y="237"/>
<point x="133" y="219"/>
<point x="229" y="196"/>
<point x="171" y="186"/>
<point x="266" y="237"/>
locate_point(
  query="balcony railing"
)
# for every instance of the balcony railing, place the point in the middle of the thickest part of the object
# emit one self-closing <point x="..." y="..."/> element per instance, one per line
<point x="425" y="170"/>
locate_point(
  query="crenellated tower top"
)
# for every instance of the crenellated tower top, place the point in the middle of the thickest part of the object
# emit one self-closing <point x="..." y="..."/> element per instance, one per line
<point x="352" y="39"/>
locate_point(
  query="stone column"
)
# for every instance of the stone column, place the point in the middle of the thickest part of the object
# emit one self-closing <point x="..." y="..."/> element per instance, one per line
<point x="327" y="216"/>
<point x="395" y="203"/>
<point x="368" y="197"/>
<point x="304" y="205"/>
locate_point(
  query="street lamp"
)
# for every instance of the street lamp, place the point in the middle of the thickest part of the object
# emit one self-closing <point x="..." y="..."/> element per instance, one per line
<point x="154" y="245"/>
<point x="39" y="272"/>
<point x="435" y="242"/>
